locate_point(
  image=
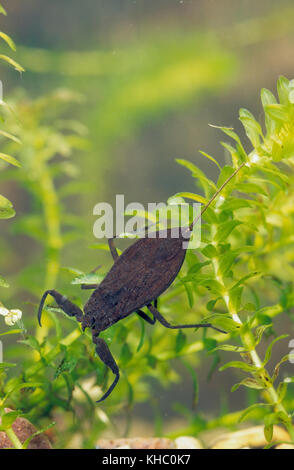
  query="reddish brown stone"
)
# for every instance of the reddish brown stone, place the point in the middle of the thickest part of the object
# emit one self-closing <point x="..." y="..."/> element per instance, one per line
<point x="24" y="429"/>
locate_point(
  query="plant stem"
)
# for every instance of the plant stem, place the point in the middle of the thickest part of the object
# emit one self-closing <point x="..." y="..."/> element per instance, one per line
<point x="247" y="341"/>
<point x="13" y="438"/>
<point x="54" y="239"/>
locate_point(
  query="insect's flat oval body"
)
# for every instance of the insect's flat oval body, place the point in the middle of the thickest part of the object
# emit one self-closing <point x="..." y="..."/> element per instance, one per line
<point x="143" y="272"/>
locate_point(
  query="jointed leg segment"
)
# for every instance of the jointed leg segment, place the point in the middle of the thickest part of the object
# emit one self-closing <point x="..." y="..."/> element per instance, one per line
<point x="107" y="358"/>
<point x="165" y="323"/>
<point x="71" y="309"/>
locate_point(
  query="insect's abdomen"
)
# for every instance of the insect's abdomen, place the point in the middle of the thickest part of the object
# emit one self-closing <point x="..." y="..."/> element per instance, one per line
<point x="143" y="272"/>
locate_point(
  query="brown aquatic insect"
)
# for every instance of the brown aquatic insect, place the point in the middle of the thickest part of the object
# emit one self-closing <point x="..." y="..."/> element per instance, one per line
<point x="137" y="278"/>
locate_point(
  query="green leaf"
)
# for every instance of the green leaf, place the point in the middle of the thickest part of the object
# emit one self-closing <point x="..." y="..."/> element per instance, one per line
<point x="10" y="136"/>
<point x="268" y="352"/>
<point x="195" y="268"/>
<point x="224" y="229"/>
<point x="233" y="204"/>
<point x="252" y="127"/>
<point x="9" y="159"/>
<point x="277" y="368"/>
<point x="283" y="88"/>
<point x="141" y="342"/>
<point x="125" y="354"/>
<point x="195" y="197"/>
<point x="211" y="284"/>
<point x="122" y="334"/>
<point x="249" y="383"/>
<point x="230" y="348"/>
<point x="225" y="263"/>
<point x="37" y="433"/>
<point x="6" y="208"/>
<point x="226" y="172"/>
<point x="205" y="182"/>
<point x="235" y="296"/>
<point x="243" y="280"/>
<point x="251" y="188"/>
<point x="210" y="158"/>
<point x="240" y="152"/>
<point x="189" y="292"/>
<point x="3" y="283"/>
<point x="251" y="408"/>
<point x="278" y="112"/>
<point x="268" y="432"/>
<point x="66" y="365"/>
<point x="32" y="342"/>
<point x="268" y="98"/>
<point x="12" y="62"/>
<point x="8" y="40"/>
<point x="209" y="251"/>
<point x="2" y="10"/>
<point x="259" y="332"/>
<point x="8" y="419"/>
<point x="91" y="278"/>
<point x="11" y="332"/>
<point x="282" y="390"/>
<point x="195" y="383"/>
<point x="239" y="365"/>
<point x="222" y="321"/>
<point x="3" y="365"/>
<point x="181" y="340"/>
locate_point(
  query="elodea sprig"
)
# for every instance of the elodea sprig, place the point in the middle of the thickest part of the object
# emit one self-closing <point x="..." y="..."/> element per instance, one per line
<point x="246" y="250"/>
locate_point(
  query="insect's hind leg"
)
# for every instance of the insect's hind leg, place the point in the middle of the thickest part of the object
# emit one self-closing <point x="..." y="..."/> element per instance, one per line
<point x="107" y="358"/>
<point x="145" y="317"/>
<point x="71" y="309"/>
<point x="165" y="323"/>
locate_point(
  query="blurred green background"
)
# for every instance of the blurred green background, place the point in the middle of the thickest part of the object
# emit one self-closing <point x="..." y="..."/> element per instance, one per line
<point x="149" y="77"/>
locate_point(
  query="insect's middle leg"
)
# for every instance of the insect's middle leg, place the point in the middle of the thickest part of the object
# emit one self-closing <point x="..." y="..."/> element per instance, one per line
<point x="107" y="358"/>
<point x="113" y="250"/>
<point x="165" y="323"/>
<point x="68" y="307"/>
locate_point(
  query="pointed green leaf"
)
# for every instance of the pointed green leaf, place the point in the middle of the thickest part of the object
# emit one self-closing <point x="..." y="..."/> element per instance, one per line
<point x="220" y="320"/>
<point x="250" y="383"/>
<point x="250" y="409"/>
<point x="224" y="230"/>
<point x="252" y="127"/>
<point x="231" y="348"/>
<point x="10" y="136"/>
<point x="210" y="158"/>
<point x="181" y="340"/>
<point x="12" y="62"/>
<point x="3" y="283"/>
<point x="195" y="197"/>
<point x="9" y="159"/>
<point x="8" y="40"/>
<point x="2" y="10"/>
<point x="6" y="208"/>
<point x="268" y="352"/>
<point x="8" y="419"/>
<point x="283" y="88"/>
<point x="278" y="112"/>
<point x="268" y="432"/>
<point x="239" y="365"/>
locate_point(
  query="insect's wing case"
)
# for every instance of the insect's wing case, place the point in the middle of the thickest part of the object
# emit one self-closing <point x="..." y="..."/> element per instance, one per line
<point x="143" y="272"/>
